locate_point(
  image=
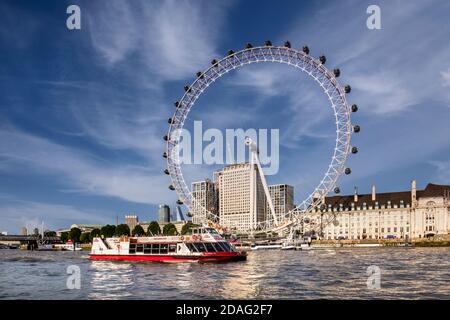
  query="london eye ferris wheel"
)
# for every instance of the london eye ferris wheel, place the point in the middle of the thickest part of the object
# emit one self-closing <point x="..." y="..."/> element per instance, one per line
<point x="314" y="68"/>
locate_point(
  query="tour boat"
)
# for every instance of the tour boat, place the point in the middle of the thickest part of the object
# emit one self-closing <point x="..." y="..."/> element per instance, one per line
<point x="204" y="244"/>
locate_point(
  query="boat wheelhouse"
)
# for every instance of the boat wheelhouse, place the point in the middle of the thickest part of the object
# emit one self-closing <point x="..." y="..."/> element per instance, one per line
<point x="202" y="245"/>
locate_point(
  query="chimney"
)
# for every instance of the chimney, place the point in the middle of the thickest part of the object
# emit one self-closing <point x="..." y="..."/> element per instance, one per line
<point x="374" y="193"/>
<point x="413" y="193"/>
<point x="355" y="196"/>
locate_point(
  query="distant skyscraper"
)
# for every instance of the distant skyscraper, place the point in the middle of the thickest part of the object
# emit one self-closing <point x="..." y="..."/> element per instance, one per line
<point x="164" y="213"/>
<point x="23" y="231"/>
<point x="180" y="216"/>
<point x="283" y="200"/>
<point x="132" y="221"/>
<point x="242" y="202"/>
<point x="204" y="193"/>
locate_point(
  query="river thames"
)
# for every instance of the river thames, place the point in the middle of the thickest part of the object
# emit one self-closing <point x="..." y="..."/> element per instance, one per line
<point x="406" y="273"/>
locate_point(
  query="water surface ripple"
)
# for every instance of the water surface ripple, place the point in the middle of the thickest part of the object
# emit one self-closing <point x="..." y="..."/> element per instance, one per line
<point x="406" y="273"/>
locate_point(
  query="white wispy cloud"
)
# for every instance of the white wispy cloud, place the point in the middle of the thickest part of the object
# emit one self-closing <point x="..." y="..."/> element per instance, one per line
<point x="81" y="171"/>
<point x="442" y="174"/>
<point x="386" y="68"/>
<point x="31" y="214"/>
<point x="445" y="76"/>
<point x="173" y="39"/>
<point x="393" y="72"/>
<point x="146" y="44"/>
<point x="307" y="107"/>
<point x="113" y="117"/>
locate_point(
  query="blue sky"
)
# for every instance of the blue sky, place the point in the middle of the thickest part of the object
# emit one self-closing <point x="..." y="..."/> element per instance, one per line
<point x="82" y="113"/>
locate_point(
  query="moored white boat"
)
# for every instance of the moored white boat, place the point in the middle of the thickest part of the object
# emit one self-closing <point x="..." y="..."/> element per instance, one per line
<point x="265" y="246"/>
<point x="367" y="245"/>
<point x="304" y="246"/>
<point x="68" y="246"/>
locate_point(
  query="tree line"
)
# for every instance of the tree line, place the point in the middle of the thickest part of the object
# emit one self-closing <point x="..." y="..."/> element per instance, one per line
<point x="108" y="231"/>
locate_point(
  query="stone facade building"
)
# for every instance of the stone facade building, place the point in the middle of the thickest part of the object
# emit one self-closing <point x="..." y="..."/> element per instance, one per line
<point x="406" y="214"/>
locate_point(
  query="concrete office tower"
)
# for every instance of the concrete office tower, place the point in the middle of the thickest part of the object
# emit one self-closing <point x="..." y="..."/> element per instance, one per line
<point x="283" y="200"/>
<point x="204" y="193"/>
<point x="242" y="202"/>
<point x="131" y="221"/>
<point x="164" y="213"/>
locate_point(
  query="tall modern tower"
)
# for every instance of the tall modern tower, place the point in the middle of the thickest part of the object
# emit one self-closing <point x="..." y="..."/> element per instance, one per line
<point x="283" y="199"/>
<point x="242" y="202"/>
<point x="164" y="213"/>
<point x="204" y="193"/>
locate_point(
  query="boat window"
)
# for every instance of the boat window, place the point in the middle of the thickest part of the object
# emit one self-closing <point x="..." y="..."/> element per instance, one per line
<point x="209" y="247"/>
<point x="226" y="246"/>
<point x="230" y="247"/>
<point x="200" y="247"/>
<point x="191" y="247"/>
<point x="155" y="248"/>
<point x="132" y="248"/>
<point x="164" y="248"/>
<point x="172" y="247"/>
<point x="217" y="247"/>
<point x="222" y="246"/>
<point x="212" y="231"/>
<point x="147" y="248"/>
<point x="140" y="248"/>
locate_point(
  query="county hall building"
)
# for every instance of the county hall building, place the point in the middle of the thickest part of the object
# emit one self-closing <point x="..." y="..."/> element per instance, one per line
<point x="406" y="214"/>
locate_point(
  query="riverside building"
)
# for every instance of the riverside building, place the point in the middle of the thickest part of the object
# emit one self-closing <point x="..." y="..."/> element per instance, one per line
<point x="237" y="196"/>
<point x="164" y="213"/>
<point x="205" y="195"/>
<point x="282" y="196"/>
<point x="242" y="202"/>
<point x="131" y="221"/>
<point x="405" y="214"/>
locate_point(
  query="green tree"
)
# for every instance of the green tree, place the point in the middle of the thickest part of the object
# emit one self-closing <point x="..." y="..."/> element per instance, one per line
<point x="74" y="235"/>
<point x="138" y="231"/>
<point x="85" y="237"/>
<point x="153" y="228"/>
<point x="187" y="227"/>
<point x="94" y="233"/>
<point x="64" y="236"/>
<point x="122" y="230"/>
<point x="170" y="229"/>
<point x="48" y="233"/>
<point x="108" y="231"/>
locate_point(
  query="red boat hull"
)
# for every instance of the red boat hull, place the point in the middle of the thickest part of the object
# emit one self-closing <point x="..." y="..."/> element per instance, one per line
<point x="206" y="257"/>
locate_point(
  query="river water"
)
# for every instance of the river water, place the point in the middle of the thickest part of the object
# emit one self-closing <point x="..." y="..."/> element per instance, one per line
<point x="405" y="273"/>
